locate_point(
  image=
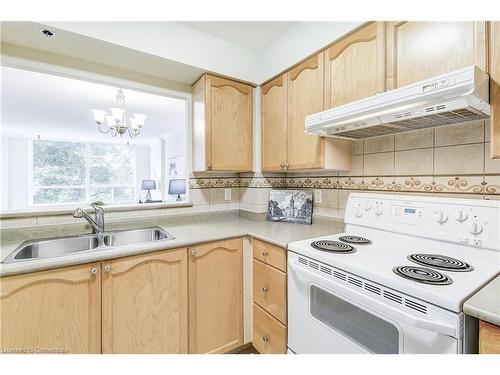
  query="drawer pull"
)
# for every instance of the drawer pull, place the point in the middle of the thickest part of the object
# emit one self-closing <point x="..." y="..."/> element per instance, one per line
<point x="93" y="271"/>
<point x="265" y="289"/>
<point x="265" y="253"/>
<point x="265" y="338"/>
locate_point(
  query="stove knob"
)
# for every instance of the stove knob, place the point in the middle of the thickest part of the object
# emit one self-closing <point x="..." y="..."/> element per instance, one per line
<point x="358" y="212"/>
<point x="379" y="209"/>
<point x="475" y="228"/>
<point x="441" y="217"/>
<point x="367" y="205"/>
<point x="461" y="215"/>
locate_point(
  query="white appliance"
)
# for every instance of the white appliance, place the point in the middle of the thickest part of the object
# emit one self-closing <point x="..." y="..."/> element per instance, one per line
<point x="396" y="280"/>
<point x="454" y="97"/>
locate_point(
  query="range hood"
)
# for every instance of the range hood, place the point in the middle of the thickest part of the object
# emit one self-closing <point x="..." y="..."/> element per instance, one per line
<point x="458" y="96"/>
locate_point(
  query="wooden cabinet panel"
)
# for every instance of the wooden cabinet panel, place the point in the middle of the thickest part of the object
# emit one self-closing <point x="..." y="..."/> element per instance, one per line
<point x="223" y="125"/>
<point x="55" y="311"/>
<point x="145" y="303"/>
<point x="274" y="124"/>
<point x="355" y="66"/>
<point x="269" y="254"/>
<point x="216" y="296"/>
<point x="495" y="89"/>
<point x="269" y="289"/>
<point x="421" y="50"/>
<point x="269" y="335"/>
<point x="489" y="338"/>
<point x="305" y="97"/>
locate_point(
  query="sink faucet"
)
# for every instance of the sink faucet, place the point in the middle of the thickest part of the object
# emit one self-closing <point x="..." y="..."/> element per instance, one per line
<point x="97" y="223"/>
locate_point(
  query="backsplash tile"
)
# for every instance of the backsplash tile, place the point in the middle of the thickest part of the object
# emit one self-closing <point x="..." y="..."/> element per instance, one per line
<point x="462" y="159"/>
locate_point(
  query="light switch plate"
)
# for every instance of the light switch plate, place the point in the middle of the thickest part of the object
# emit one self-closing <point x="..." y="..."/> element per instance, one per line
<point x="318" y="196"/>
<point x="227" y="194"/>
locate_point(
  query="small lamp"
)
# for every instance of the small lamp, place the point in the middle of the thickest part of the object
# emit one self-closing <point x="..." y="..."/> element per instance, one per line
<point x="177" y="187"/>
<point x="148" y="185"/>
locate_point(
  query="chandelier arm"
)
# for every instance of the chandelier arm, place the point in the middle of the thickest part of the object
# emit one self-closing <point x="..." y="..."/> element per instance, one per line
<point x="101" y="130"/>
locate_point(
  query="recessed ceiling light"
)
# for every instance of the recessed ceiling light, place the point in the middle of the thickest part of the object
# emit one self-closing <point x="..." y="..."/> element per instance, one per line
<point x="47" y="33"/>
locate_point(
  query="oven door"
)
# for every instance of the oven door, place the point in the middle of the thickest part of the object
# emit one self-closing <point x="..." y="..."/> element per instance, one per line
<point x="325" y="316"/>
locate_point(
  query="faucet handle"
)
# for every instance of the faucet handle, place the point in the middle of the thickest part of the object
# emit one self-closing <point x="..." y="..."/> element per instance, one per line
<point x="78" y="213"/>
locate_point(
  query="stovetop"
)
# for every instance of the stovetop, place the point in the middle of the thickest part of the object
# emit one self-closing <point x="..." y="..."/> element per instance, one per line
<point x="388" y="253"/>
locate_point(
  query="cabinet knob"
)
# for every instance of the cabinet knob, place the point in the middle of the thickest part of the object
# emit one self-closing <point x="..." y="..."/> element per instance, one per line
<point x="107" y="268"/>
<point x="286" y="166"/>
<point x="265" y="338"/>
<point x="265" y="289"/>
<point x="282" y="165"/>
<point x="93" y="271"/>
<point x="265" y="253"/>
<point x="193" y="252"/>
<point x="209" y="166"/>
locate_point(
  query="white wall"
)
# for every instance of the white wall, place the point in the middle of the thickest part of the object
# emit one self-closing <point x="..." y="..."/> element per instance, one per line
<point x="4" y="177"/>
<point x="17" y="173"/>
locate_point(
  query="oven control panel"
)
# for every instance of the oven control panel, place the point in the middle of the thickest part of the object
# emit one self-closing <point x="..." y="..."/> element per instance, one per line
<point x="469" y="222"/>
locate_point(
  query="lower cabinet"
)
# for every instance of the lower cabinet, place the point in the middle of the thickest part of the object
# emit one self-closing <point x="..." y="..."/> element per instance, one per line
<point x="269" y="298"/>
<point x="216" y="296"/>
<point x="145" y="303"/>
<point x="55" y="311"/>
<point x="489" y="338"/>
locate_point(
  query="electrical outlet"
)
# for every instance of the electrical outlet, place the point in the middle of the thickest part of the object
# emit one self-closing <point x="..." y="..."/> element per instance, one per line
<point x="227" y="194"/>
<point x="318" y="196"/>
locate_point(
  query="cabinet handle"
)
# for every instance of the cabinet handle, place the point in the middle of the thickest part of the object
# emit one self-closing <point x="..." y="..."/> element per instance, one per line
<point x="107" y="268"/>
<point x="93" y="271"/>
<point x="286" y="166"/>
<point x="209" y="166"/>
<point x="265" y="289"/>
<point x="265" y="338"/>
<point x="193" y="253"/>
<point x="265" y="253"/>
<point x="282" y="165"/>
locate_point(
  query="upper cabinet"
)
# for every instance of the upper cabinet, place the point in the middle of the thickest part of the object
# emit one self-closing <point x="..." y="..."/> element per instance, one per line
<point x="421" y="50"/>
<point x="495" y="89"/>
<point x="355" y="66"/>
<point x="286" y="101"/>
<point x="223" y="125"/>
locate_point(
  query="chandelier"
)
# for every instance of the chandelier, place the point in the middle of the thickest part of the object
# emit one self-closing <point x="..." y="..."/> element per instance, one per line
<point x="116" y="122"/>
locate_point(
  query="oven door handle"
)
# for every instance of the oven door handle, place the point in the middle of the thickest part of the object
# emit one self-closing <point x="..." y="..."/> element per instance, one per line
<point x="434" y="326"/>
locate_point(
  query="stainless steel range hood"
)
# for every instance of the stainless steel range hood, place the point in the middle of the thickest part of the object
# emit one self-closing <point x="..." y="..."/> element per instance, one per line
<point x="451" y="98"/>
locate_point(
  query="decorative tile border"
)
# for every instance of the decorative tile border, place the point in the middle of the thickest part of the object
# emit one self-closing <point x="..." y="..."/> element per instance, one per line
<point x="477" y="184"/>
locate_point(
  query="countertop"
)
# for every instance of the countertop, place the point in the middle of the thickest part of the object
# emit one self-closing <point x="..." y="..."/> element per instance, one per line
<point x="485" y="304"/>
<point x="185" y="234"/>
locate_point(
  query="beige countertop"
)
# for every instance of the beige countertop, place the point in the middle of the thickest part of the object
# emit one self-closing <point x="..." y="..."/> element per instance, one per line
<point x="485" y="304"/>
<point x="185" y="234"/>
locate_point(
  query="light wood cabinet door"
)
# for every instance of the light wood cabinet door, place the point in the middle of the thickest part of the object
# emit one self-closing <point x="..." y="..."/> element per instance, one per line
<point x="269" y="334"/>
<point x="223" y="125"/>
<point x="274" y="124"/>
<point x="489" y="338"/>
<point x="145" y="303"/>
<point x="421" y="50"/>
<point x="305" y="97"/>
<point x="55" y="311"/>
<point x="355" y="66"/>
<point x="495" y="89"/>
<point x="216" y="296"/>
<point x="269" y="289"/>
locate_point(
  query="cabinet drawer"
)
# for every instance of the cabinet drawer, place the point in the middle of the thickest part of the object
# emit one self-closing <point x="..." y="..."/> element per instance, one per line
<point x="270" y="254"/>
<point x="269" y="335"/>
<point x="269" y="289"/>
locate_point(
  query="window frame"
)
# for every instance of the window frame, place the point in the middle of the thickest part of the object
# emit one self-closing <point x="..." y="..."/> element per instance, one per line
<point x="87" y="186"/>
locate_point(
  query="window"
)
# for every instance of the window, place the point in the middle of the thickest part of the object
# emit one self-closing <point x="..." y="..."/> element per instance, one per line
<point x="72" y="172"/>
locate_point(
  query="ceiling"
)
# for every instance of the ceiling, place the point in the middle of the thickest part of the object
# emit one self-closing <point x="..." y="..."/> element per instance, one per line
<point x="51" y="106"/>
<point x="254" y="35"/>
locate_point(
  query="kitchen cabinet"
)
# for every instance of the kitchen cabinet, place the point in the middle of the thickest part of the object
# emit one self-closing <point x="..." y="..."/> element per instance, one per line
<point x="274" y="124"/>
<point x="269" y="298"/>
<point x="54" y="311"/>
<point x="223" y="125"/>
<point x="216" y="296"/>
<point x="495" y="89"/>
<point x="421" y="50"/>
<point x="145" y="303"/>
<point x="489" y="338"/>
<point x="286" y="101"/>
<point x="355" y="66"/>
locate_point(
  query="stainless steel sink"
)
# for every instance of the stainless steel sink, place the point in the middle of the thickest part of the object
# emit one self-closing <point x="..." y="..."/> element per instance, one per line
<point x="41" y="249"/>
<point x="129" y="237"/>
<point x="50" y="248"/>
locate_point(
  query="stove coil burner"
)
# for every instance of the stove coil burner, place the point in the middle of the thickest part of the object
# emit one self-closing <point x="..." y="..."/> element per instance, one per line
<point x="357" y="240"/>
<point x="333" y="247"/>
<point x="422" y="275"/>
<point x="441" y="262"/>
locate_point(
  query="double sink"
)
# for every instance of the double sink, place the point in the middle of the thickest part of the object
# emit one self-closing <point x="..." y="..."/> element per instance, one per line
<point x="50" y="248"/>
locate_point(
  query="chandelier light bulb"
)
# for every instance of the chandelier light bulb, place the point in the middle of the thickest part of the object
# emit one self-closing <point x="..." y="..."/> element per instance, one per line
<point x="110" y="121"/>
<point x="99" y="115"/>
<point x="134" y="123"/>
<point x="117" y="114"/>
<point x="140" y="118"/>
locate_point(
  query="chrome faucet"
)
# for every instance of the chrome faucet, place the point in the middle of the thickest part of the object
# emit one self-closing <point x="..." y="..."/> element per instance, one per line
<point x="97" y="222"/>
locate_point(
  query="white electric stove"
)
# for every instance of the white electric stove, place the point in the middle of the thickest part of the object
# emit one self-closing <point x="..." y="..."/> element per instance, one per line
<point x="396" y="280"/>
